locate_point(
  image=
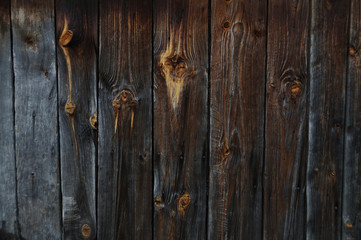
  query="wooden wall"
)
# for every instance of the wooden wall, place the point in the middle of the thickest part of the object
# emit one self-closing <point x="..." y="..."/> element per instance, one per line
<point x="180" y="119"/>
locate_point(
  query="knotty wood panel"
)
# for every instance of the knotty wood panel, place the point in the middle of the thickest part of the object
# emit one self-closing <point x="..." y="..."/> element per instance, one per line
<point x="351" y="213"/>
<point x="76" y="41"/>
<point x="237" y="119"/>
<point x="180" y="118"/>
<point x="329" y="28"/>
<point x="125" y="120"/>
<point x="36" y="127"/>
<point x="8" y="224"/>
<point x="286" y="120"/>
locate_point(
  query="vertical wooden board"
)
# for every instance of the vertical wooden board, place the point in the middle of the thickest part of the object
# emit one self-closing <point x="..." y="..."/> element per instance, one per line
<point x="351" y="210"/>
<point x="329" y="28"/>
<point x="286" y="120"/>
<point x="77" y="24"/>
<point x="125" y="120"/>
<point x="180" y="118"/>
<point x="8" y="224"/>
<point x="36" y="122"/>
<point x="238" y="57"/>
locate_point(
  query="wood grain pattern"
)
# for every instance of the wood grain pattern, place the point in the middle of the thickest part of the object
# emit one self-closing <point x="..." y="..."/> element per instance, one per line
<point x="286" y="120"/>
<point x="329" y="28"/>
<point x="36" y="119"/>
<point x="77" y="73"/>
<point x="8" y="221"/>
<point x="125" y="120"/>
<point x="351" y="210"/>
<point x="180" y="118"/>
<point x="237" y="119"/>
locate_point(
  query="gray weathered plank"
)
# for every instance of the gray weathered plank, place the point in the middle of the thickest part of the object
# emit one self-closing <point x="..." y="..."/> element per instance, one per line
<point x="329" y="28"/>
<point x="125" y="120"/>
<point x="351" y="201"/>
<point x="36" y="118"/>
<point x="76" y="39"/>
<point x="237" y="119"/>
<point x="286" y="120"/>
<point x="180" y="118"/>
<point x="8" y="224"/>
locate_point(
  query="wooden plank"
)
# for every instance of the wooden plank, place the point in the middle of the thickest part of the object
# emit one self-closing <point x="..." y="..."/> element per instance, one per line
<point x="36" y="118"/>
<point x="351" y="210"/>
<point x="125" y="117"/>
<point x="237" y="119"/>
<point x="329" y="28"/>
<point x="180" y="118"/>
<point x="76" y="28"/>
<point x="8" y="224"/>
<point x="286" y="120"/>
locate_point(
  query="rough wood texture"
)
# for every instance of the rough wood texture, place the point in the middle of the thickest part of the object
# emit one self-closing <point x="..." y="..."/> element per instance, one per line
<point x="329" y="28"/>
<point x="36" y="119"/>
<point x="77" y="72"/>
<point x="286" y="120"/>
<point x="352" y="173"/>
<point x="180" y="118"/>
<point x="237" y="119"/>
<point x="8" y="224"/>
<point x="125" y="120"/>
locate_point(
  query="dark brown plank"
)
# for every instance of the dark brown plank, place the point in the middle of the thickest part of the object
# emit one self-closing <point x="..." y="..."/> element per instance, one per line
<point x="36" y="125"/>
<point x="125" y="120"/>
<point x="351" y="211"/>
<point x="329" y="28"/>
<point x="76" y="39"/>
<point x="180" y="118"/>
<point x="8" y="224"/>
<point x="237" y="119"/>
<point x="286" y="120"/>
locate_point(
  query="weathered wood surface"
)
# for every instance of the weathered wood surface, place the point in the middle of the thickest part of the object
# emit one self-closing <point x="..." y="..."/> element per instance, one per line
<point x="286" y="120"/>
<point x="76" y="38"/>
<point x="36" y="130"/>
<point x="267" y="146"/>
<point x="8" y="224"/>
<point x="328" y="49"/>
<point x="180" y="118"/>
<point x="351" y="213"/>
<point x="125" y="120"/>
<point x="238" y="48"/>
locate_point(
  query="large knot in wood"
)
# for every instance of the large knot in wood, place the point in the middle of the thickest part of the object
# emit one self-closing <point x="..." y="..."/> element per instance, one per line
<point x="176" y="71"/>
<point x="85" y="231"/>
<point x="125" y="98"/>
<point x="183" y="203"/>
<point x="70" y="108"/>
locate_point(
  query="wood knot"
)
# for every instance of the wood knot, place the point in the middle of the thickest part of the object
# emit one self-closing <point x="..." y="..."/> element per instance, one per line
<point x="94" y="121"/>
<point x="174" y="67"/>
<point x="85" y="231"/>
<point x="228" y="1"/>
<point x="158" y="201"/>
<point x="226" y="24"/>
<point x="116" y="104"/>
<point x="295" y="89"/>
<point x="348" y="224"/>
<point x="65" y="38"/>
<point x="70" y="108"/>
<point x="226" y="151"/>
<point x="183" y="203"/>
<point x="352" y="51"/>
<point x="316" y="170"/>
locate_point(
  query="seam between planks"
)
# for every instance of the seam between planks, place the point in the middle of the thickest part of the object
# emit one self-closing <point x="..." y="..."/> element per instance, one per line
<point x="58" y="127"/>
<point x="345" y="117"/>
<point x="264" y="120"/>
<point x="209" y="114"/>
<point x="18" y="230"/>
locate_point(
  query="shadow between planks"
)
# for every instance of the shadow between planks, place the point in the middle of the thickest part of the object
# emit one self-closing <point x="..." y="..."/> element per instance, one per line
<point x="180" y="119"/>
